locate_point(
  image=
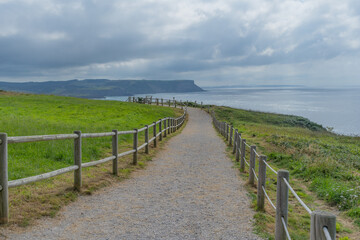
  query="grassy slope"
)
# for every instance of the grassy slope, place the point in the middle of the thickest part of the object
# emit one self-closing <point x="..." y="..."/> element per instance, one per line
<point x="23" y="115"/>
<point x="327" y="163"/>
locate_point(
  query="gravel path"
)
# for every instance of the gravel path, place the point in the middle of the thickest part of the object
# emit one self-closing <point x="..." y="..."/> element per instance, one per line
<point x="188" y="191"/>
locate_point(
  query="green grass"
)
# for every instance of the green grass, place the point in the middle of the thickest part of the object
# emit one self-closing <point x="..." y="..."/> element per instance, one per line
<point x="326" y="162"/>
<point x="24" y="115"/>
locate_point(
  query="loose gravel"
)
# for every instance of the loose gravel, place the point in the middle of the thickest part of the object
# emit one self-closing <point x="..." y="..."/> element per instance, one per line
<point x="189" y="191"/>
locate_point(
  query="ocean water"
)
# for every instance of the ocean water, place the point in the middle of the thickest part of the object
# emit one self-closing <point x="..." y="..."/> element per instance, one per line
<point x="336" y="108"/>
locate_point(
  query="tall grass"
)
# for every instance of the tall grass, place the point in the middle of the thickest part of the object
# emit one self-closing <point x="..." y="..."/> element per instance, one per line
<point x="328" y="162"/>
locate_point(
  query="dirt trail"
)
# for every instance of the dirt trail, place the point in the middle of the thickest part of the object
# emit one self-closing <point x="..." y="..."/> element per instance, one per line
<point x="189" y="191"/>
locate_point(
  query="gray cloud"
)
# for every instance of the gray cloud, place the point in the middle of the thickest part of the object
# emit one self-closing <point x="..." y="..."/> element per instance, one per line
<point x="213" y="42"/>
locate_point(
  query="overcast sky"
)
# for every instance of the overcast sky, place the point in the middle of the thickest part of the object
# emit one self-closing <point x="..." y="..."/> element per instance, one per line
<point x="214" y="42"/>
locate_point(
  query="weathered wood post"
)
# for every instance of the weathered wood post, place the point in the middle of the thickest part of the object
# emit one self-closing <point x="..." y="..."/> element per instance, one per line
<point x="227" y="131"/>
<point x="319" y="221"/>
<point x="252" y="165"/>
<point x="4" y="194"/>
<point x="129" y="99"/>
<point x="282" y="197"/>
<point x="172" y="125"/>
<point x="160" y="130"/>
<point x="162" y="102"/>
<point x="235" y="140"/>
<point x="135" y="146"/>
<point x="169" y="102"/>
<point x="261" y="183"/>
<point x="169" y="124"/>
<point x="175" y="103"/>
<point x="150" y="100"/>
<point x="165" y="127"/>
<point x="77" y="161"/>
<point x="147" y="139"/>
<point x="157" y="101"/>
<point x="201" y="104"/>
<point x="242" y="157"/>
<point x="238" y="148"/>
<point x="133" y="99"/>
<point x="115" y="140"/>
<point x="154" y="135"/>
<point x="231" y="134"/>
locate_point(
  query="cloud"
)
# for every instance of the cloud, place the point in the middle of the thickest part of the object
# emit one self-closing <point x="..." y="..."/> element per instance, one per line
<point x="214" y="42"/>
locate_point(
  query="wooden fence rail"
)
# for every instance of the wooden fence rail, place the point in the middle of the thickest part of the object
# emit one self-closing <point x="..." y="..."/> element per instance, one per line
<point x="77" y="136"/>
<point x="323" y="224"/>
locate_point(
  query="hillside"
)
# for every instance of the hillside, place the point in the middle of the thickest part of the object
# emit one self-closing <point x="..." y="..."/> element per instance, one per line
<point x="99" y="88"/>
<point x="25" y="115"/>
<point x="321" y="162"/>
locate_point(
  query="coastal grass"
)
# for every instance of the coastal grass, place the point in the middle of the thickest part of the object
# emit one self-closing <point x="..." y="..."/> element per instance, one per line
<point x="324" y="167"/>
<point x="26" y="114"/>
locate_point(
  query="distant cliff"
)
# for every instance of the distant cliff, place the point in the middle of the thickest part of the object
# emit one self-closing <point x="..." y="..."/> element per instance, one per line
<point x="99" y="88"/>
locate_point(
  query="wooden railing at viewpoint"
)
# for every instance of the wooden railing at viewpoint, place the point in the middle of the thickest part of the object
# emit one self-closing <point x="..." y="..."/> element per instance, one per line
<point x="161" y="128"/>
<point x="323" y="224"/>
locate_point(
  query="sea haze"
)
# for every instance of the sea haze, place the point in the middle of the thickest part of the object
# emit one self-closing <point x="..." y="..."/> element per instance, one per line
<point x="337" y="108"/>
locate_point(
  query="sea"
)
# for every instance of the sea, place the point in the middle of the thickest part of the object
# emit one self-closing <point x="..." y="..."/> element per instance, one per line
<point x="335" y="108"/>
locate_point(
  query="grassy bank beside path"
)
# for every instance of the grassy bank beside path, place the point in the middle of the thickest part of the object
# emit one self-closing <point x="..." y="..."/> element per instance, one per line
<point x="322" y="165"/>
<point x="25" y="115"/>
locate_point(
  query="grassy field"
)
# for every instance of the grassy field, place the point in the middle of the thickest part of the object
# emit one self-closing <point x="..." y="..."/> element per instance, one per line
<point x="322" y="166"/>
<point x="24" y="115"/>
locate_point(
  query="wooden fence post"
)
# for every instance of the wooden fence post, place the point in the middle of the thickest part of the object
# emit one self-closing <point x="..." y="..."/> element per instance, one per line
<point x="174" y="103"/>
<point x="157" y="101"/>
<point x="129" y="99"/>
<point x="282" y="197"/>
<point x="261" y="183"/>
<point x="231" y="134"/>
<point x="319" y="221"/>
<point x="235" y="140"/>
<point x="169" y="124"/>
<point x="169" y="102"/>
<point x="150" y="100"/>
<point x="252" y="165"/>
<point x="238" y="147"/>
<point x="227" y="132"/>
<point x="115" y="140"/>
<point x="160" y="130"/>
<point x="4" y="194"/>
<point x="135" y="145"/>
<point x="77" y="161"/>
<point x="147" y="139"/>
<point x="154" y="131"/>
<point x="162" y="102"/>
<point x="242" y="157"/>
<point x="165" y="127"/>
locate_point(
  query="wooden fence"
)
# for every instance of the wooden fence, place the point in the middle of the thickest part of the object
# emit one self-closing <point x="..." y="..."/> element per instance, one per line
<point x="164" y="102"/>
<point x="323" y="224"/>
<point x="161" y="128"/>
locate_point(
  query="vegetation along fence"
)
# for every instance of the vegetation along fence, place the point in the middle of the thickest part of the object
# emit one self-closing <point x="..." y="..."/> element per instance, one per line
<point x="160" y="129"/>
<point x="322" y="225"/>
